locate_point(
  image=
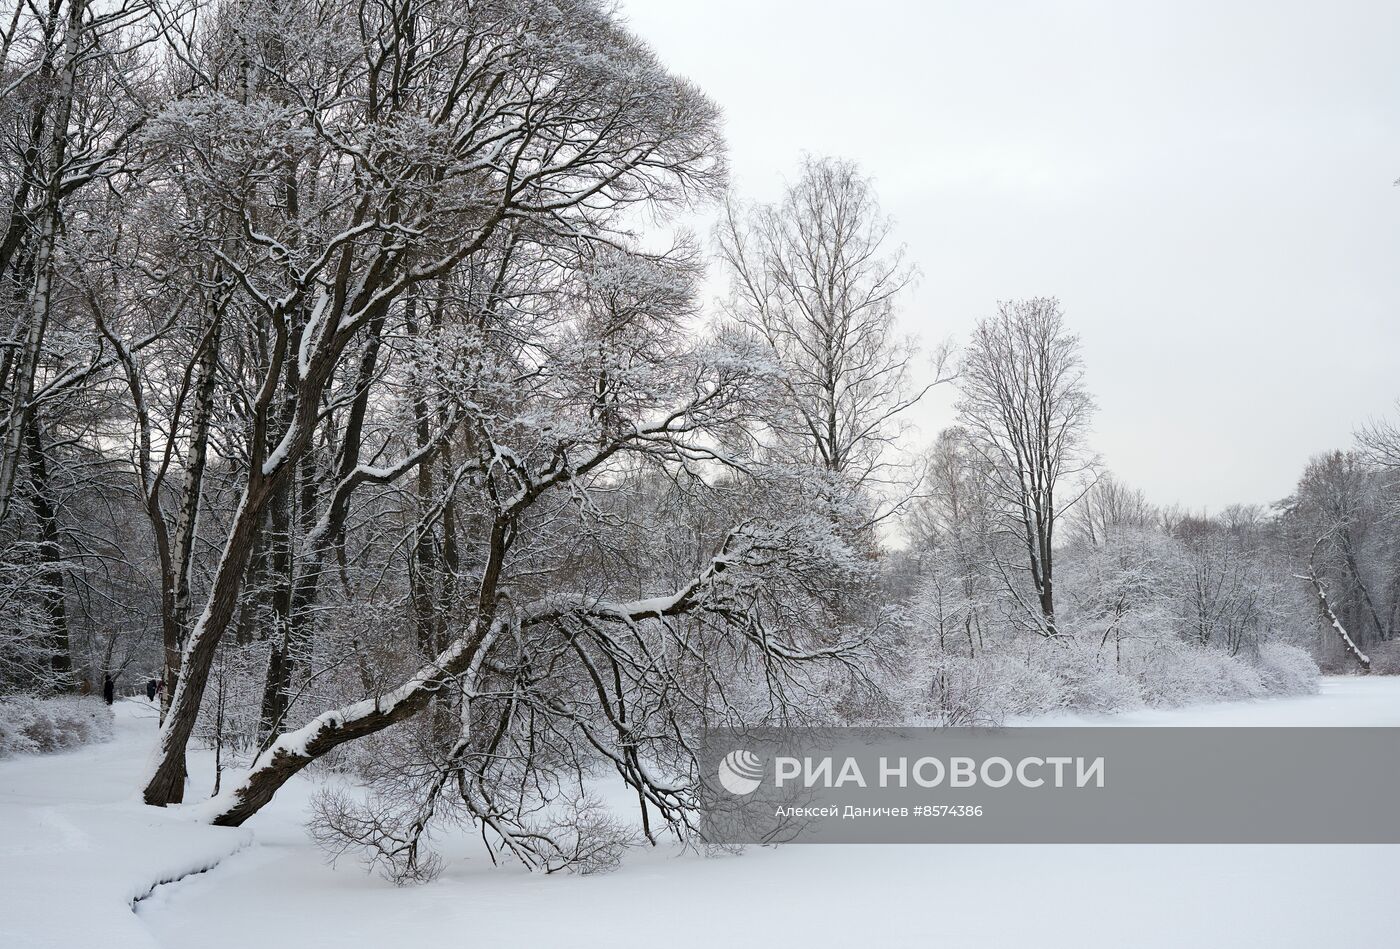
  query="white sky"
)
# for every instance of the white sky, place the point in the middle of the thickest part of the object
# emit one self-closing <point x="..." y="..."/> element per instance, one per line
<point x="1206" y="186"/>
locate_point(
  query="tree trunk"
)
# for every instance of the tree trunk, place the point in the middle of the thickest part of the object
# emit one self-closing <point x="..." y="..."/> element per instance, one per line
<point x="1349" y="556"/>
<point x="291" y="752"/>
<point x="167" y="782"/>
<point x="1347" y="642"/>
<point x="187" y="518"/>
<point x="51" y="557"/>
<point x="45" y="238"/>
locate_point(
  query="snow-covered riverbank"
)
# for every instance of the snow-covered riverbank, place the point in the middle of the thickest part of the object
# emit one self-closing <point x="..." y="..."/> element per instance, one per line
<point x="78" y="848"/>
<point x="1341" y="701"/>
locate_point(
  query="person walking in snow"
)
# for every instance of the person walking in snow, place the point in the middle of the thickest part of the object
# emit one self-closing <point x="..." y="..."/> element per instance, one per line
<point x="150" y="690"/>
<point x="109" y="689"/>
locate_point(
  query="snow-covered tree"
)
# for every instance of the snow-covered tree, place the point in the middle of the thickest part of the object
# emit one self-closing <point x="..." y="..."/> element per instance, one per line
<point x="1026" y="411"/>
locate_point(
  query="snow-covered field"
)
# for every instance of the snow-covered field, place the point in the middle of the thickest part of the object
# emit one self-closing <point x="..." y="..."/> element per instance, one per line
<point x="77" y="848"/>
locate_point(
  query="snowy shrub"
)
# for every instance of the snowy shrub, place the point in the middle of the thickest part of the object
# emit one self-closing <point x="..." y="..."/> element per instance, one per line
<point x="986" y="690"/>
<point x="40" y="726"/>
<point x="1287" y="670"/>
<point x="1179" y="673"/>
<point x="1237" y="677"/>
<point x="1090" y="680"/>
<point x="1036" y="676"/>
<point x="1174" y="672"/>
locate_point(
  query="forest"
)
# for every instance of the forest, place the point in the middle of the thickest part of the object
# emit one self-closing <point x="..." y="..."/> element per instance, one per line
<point x="364" y="384"/>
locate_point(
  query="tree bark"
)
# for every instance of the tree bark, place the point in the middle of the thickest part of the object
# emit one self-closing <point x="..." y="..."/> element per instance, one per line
<point x="187" y="518"/>
<point x="51" y="557"/>
<point x="46" y="235"/>
<point x="291" y="752"/>
<point x="1347" y="642"/>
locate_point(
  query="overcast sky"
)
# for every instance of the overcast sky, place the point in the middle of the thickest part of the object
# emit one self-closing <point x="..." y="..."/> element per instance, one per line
<point x="1207" y="187"/>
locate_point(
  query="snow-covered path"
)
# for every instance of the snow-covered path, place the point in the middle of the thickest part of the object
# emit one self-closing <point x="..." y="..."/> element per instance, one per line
<point x="77" y="846"/>
<point x="278" y="891"/>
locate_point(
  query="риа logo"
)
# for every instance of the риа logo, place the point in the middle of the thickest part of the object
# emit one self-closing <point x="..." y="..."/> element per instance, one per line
<point x="741" y="772"/>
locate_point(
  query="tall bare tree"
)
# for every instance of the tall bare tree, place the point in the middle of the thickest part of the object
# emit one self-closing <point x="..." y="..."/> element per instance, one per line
<point x="1027" y="411"/>
<point x="817" y="279"/>
<point x="1110" y="506"/>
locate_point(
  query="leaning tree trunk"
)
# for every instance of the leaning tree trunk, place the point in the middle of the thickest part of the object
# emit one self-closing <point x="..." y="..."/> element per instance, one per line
<point x="267" y="474"/>
<point x="458" y="664"/>
<point x="167" y="783"/>
<point x="1347" y="642"/>
<point x="293" y="751"/>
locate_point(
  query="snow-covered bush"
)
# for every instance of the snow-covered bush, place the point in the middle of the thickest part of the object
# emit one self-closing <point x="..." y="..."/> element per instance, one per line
<point x="1035" y="676"/>
<point x="1198" y="611"/>
<point x="1175" y="672"/>
<point x="1090" y="679"/>
<point x="985" y="690"/>
<point x="994" y="687"/>
<point x="1287" y="670"/>
<point x="40" y="726"/>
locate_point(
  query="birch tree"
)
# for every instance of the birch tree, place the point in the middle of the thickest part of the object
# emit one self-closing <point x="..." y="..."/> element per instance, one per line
<point x="75" y="88"/>
<point x="817" y="279"/>
<point x="1337" y="513"/>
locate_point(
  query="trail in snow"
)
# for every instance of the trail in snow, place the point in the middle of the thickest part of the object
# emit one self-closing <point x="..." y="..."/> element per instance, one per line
<point x="77" y="857"/>
<point x="78" y="848"/>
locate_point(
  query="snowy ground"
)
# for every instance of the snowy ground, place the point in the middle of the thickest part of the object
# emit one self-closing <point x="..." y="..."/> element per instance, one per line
<point x="76" y="848"/>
